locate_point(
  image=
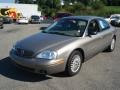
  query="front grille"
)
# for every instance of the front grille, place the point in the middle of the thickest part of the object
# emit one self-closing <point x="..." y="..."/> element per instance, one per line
<point x="23" y="53"/>
<point x="36" y="19"/>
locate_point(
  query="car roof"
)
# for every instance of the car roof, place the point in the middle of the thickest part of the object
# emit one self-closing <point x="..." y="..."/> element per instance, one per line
<point x="115" y="15"/>
<point x="87" y="18"/>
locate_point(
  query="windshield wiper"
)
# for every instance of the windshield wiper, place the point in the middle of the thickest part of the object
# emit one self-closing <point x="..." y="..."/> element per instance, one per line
<point x="59" y="33"/>
<point x="54" y="33"/>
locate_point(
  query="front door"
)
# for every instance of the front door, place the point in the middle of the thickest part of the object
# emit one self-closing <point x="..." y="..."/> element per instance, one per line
<point x="94" y="39"/>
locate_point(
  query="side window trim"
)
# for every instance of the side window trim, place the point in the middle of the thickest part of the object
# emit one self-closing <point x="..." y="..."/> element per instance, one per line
<point x="95" y="20"/>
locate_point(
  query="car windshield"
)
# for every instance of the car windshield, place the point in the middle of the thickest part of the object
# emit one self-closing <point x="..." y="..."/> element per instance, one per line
<point x="115" y="17"/>
<point x="67" y="27"/>
<point x="35" y="17"/>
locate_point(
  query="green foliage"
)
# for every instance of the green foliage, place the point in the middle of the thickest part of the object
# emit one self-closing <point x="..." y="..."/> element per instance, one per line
<point x="75" y="8"/>
<point x="48" y="7"/>
<point x="95" y="8"/>
<point x="26" y="1"/>
<point x="78" y="7"/>
<point x="97" y="5"/>
<point x="104" y="2"/>
<point x="86" y="2"/>
<point x="108" y="10"/>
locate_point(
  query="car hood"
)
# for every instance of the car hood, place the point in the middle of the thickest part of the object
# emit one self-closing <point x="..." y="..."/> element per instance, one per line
<point x="43" y="41"/>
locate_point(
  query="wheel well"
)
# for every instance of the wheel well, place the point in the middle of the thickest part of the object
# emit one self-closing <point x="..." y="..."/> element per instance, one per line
<point x="82" y="52"/>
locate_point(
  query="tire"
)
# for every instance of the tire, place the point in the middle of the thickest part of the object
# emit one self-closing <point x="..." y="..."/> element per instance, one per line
<point x="1" y="27"/>
<point x="74" y="59"/>
<point x="112" y="45"/>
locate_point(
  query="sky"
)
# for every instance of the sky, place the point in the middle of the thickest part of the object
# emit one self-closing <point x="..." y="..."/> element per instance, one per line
<point x="6" y="1"/>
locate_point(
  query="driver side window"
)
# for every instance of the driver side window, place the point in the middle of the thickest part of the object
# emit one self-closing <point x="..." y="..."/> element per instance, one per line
<point x="93" y="27"/>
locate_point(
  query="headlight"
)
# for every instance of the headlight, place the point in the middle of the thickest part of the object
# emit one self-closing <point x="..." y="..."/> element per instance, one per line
<point x="14" y="45"/>
<point x="13" y="48"/>
<point x="47" y="55"/>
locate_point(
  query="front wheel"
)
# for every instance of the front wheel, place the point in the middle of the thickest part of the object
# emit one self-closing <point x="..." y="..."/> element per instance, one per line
<point x="74" y="63"/>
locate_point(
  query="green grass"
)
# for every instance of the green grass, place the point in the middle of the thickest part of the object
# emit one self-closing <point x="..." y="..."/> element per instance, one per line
<point x="107" y="11"/>
<point x="112" y="9"/>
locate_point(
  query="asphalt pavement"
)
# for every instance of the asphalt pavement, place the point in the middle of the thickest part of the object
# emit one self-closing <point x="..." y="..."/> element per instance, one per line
<point x="101" y="72"/>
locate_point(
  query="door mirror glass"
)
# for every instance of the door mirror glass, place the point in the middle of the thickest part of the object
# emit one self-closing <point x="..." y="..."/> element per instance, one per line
<point x="43" y="28"/>
<point x="115" y="23"/>
<point x="92" y="32"/>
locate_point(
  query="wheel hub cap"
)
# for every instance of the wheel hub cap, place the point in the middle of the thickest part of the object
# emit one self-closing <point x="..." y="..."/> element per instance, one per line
<point x="76" y="63"/>
<point x="112" y="44"/>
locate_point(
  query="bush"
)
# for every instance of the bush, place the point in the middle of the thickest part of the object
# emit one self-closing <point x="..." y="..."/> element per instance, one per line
<point x="75" y="8"/>
<point x="96" y="8"/>
<point x="78" y="6"/>
<point x="69" y="8"/>
<point x="96" y="5"/>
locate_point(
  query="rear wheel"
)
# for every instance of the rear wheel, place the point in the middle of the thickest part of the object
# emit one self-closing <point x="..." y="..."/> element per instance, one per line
<point x="74" y="63"/>
<point x="1" y="27"/>
<point x="112" y="45"/>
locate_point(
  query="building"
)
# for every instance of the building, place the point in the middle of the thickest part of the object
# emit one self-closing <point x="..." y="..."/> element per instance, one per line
<point x="26" y="9"/>
<point x="7" y="1"/>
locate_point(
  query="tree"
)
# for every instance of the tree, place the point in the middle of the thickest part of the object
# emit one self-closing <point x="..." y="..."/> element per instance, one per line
<point x="49" y="7"/>
<point x="113" y="2"/>
<point x="104" y="1"/>
<point x="85" y="2"/>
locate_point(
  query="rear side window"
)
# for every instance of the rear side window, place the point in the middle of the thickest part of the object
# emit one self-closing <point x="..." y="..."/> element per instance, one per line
<point x="104" y="25"/>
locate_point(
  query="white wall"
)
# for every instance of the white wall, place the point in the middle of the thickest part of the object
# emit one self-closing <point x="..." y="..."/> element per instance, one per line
<point x="26" y="9"/>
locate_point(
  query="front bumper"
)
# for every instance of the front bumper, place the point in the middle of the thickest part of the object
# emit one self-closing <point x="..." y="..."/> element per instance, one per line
<point x="23" y="22"/>
<point x="35" y="22"/>
<point x="38" y="65"/>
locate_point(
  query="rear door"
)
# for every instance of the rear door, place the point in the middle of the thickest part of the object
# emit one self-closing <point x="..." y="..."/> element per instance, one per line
<point x="106" y="32"/>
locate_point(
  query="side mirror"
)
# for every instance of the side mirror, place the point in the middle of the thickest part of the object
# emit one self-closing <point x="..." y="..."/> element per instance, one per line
<point x="92" y="32"/>
<point x="43" y="28"/>
<point x="114" y="23"/>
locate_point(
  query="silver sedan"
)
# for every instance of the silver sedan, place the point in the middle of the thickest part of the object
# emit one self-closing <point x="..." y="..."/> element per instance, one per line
<point x="64" y="45"/>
